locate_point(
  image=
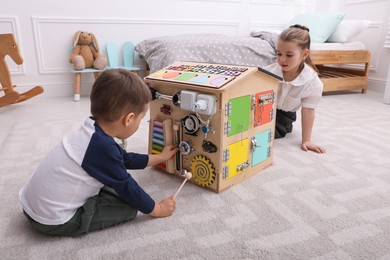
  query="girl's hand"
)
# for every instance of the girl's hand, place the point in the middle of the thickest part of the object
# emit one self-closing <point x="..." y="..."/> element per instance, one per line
<point x="306" y="146"/>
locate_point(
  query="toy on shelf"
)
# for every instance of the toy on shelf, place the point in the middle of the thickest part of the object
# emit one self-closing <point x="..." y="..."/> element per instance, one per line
<point x="85" y="53"/>
<point x="221" y="117"/>
<point x="8" y="46"/>
<point x="85" y="58"/>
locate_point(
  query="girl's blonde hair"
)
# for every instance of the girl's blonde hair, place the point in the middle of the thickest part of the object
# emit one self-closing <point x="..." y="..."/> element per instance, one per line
<point x="299" y="34"/>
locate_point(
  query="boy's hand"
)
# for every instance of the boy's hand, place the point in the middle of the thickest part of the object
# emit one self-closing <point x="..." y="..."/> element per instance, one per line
<point x="164" y="208"/>
<point x="168" y="152"/>
<point x="306" y="146"/>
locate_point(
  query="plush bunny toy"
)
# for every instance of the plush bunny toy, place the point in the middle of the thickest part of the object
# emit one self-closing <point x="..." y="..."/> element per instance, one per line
<point x="85" y="53"/>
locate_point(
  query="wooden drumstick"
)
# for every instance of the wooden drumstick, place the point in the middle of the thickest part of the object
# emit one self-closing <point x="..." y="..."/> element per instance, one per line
<point x="187" y="176"/>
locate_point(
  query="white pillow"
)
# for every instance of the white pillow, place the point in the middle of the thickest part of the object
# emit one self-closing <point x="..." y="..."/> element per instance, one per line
<point x="348" y="29"/>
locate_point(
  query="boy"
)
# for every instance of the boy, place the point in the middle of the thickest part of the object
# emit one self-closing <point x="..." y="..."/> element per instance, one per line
<point x="82" y="184"/>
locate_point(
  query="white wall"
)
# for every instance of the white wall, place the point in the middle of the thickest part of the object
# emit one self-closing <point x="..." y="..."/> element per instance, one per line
<point x="44" y="29"/>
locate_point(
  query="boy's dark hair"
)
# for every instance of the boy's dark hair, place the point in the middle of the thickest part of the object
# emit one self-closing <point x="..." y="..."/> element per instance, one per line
<point x="117" y="92"/>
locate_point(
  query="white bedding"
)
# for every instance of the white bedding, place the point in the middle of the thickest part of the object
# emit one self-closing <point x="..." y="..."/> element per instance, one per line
<point x="336" y="46"/>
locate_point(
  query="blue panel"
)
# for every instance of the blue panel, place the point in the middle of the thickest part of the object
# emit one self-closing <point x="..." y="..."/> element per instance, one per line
<point x="260" y="153"/>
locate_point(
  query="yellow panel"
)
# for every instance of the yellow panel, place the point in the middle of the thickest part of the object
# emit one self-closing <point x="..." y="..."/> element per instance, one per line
<point x="238" y="154"/>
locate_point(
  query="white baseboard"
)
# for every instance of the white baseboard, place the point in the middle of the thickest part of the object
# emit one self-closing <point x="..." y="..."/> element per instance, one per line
<point x="57" y="90"/>
<point x="376" y="85"/>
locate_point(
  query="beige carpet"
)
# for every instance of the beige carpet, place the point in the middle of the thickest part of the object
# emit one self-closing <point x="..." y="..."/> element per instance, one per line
<point x="305" y="206"/>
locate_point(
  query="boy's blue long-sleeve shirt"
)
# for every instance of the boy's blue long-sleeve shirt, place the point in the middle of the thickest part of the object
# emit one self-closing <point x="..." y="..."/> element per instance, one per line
<point x="107" y="162"/>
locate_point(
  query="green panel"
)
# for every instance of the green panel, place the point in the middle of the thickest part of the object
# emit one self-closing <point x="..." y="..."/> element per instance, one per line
<point x="260" y="153"/>
<point x="240" y="114"/>
<point x="185" y="76"/>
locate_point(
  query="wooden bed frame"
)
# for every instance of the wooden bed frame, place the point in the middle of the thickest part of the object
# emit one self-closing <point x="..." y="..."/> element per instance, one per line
<point x="341" y="79"/>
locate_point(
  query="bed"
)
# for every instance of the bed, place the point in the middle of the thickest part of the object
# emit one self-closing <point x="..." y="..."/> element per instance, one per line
<point x="342" y="66"/>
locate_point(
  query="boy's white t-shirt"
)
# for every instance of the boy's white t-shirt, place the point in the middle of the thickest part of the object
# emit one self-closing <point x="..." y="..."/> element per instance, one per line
<point x="60" y="173"/>
<point x="305" y="90"/>
<point x="76" y="169"/>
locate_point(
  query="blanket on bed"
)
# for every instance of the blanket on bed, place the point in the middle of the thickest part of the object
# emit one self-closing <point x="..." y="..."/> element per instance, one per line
<point x="257" y="50"/>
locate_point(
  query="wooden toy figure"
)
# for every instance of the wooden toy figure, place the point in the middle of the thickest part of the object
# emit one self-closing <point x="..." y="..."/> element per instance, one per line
<point x="8" y="46"/>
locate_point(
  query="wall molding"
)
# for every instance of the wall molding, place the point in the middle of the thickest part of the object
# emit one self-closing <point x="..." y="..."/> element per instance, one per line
<point x="280" y="2"/>
<point x="15" y="29"/>
<point x="268" y="2"/>
<point x="376" y="25"/>
<point x="37" y="22"/>
<point x="273" y="27"/>
<point x="356" y="2"/>
<point x="226" y="1"/>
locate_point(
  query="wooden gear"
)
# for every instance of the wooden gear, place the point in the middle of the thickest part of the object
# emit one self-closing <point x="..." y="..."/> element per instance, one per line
<point x="203" y="171"/>
<point x="8" y="46"/>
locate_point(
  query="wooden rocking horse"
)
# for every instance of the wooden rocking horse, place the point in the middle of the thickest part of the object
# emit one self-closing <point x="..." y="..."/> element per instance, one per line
<point x="8" y="46"/>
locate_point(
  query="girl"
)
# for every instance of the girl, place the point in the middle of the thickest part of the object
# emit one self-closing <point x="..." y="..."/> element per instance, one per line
<point x="301" y="86"/>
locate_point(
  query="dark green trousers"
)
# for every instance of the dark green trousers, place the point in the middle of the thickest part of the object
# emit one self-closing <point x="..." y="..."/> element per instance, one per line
<point x="101" y="211"/>
<point x="284" y="123"/>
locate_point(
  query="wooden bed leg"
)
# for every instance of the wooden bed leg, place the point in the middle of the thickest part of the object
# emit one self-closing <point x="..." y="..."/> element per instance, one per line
<point x="366" y="70"/>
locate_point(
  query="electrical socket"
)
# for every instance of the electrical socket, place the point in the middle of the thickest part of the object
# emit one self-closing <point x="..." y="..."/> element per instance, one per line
<point x="210" y="101"/>
<point x="201" y="103"/>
